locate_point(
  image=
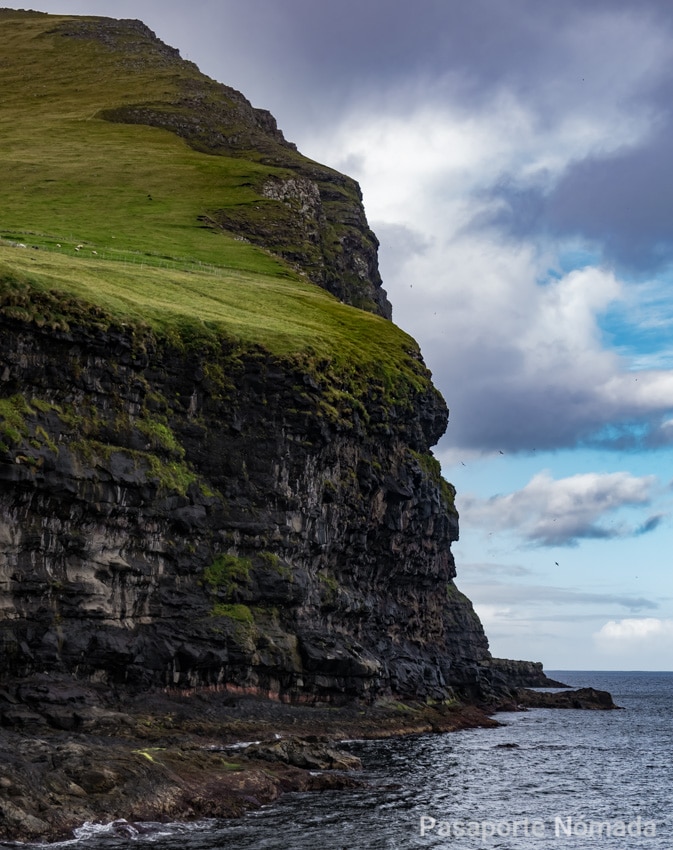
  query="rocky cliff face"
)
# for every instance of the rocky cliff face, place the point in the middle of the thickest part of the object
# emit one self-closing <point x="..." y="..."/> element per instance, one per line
<point x="172" y="521"/>
<point x="216" y="483"/>
<point x="251" y="542"/>
<point x="178" y="516"/>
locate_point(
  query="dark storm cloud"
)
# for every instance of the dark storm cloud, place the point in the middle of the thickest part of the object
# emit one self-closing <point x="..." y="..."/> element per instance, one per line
<point x="496" y="406"/>
<point x="520" y="418"/>
<point x="622" y="202"/>
<point x="389" y="39"/>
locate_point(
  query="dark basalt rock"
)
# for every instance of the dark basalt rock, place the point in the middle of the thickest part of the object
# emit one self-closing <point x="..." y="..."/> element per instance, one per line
<point x="582" y="698"/>
<point x="311" y="754"/>
<point x="130" y="479"/>
<point x="521" y="674"/>
<point x="50" y="785"/>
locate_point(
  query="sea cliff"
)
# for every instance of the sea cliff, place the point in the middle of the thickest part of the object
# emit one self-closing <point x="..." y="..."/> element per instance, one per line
<point x="220" y="516"/>
<point x="170" y="520"/>
<point x="198" y="499"/>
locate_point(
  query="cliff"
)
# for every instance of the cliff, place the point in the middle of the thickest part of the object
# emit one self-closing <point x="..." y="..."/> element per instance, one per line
<point x="172" y="521"/>
<point x="520" y="674"/>
<point x="80" y="74"/>
<point x="214" y="474"/>
<point x="218" y="501"/>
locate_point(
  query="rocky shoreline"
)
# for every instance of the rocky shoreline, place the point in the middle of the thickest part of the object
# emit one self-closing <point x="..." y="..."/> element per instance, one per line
<point x="68" y="756"/>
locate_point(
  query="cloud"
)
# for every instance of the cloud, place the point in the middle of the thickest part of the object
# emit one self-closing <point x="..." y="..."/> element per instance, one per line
<point x="554" y="623"/>
<point x="548" y="512"/>
<point x="401" y="242"/>
<point x="475" y="571"/>
<point x="516" y="597"/>
<point x="559" y="625"/>
<point x="621" y="201"/>
<point x="631" y="630"/>
<point x="524" y="365"/>
<point x="649" y="525"/>
<point x="645" y="643"/>
<point x="513" y="336"/>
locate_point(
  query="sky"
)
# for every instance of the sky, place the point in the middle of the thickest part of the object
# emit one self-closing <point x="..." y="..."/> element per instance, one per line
<point x="516" y="162"/>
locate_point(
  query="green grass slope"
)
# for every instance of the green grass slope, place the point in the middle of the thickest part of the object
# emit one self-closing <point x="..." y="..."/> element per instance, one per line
<point x="111" y="214"/>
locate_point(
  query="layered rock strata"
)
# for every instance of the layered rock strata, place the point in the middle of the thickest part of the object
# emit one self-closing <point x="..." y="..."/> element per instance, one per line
<point x="167" y="521"/>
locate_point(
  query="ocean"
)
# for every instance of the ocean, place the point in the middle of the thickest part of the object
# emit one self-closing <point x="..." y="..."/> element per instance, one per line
<point x="546" y="779"/>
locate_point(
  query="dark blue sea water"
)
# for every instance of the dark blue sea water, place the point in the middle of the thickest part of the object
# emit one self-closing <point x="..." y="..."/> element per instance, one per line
<point x="575" y="779"/>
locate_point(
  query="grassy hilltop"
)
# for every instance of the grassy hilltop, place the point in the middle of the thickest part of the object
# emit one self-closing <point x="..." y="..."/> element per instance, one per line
<point x="163" y="224"/>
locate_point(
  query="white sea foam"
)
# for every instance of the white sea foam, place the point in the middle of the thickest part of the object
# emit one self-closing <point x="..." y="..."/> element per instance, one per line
<point x="140" y="831"/>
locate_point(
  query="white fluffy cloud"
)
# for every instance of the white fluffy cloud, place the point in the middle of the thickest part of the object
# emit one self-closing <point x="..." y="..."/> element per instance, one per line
<point x="633" y="631"/>
<point x="639" y="643"/>
<point x="553" y="512"/>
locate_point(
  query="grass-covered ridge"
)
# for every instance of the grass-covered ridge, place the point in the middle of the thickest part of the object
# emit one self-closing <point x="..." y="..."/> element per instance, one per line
<point x="109" y="217"/>
<point x="195" y="308"/>
<point x="70" y="177"/>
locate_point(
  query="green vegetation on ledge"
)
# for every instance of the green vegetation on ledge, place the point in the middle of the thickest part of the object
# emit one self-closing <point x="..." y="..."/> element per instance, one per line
<point x="227" y="571"/>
